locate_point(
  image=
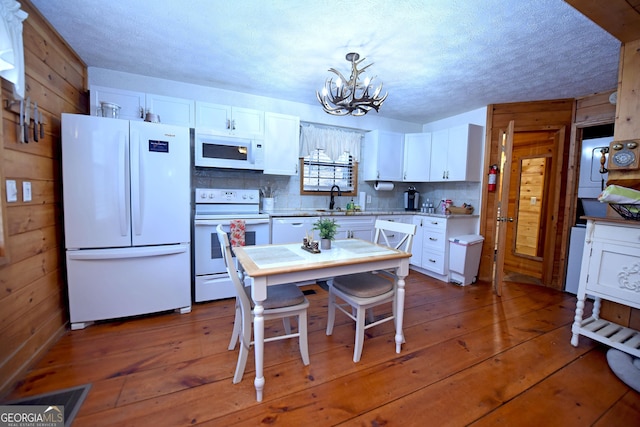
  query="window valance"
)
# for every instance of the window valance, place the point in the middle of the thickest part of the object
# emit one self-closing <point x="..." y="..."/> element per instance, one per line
<point x="333" y="141"/>
<point x="11" y="47"/>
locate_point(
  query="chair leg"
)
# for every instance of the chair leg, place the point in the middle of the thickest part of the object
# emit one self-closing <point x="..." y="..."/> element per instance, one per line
<point x="237" y="326"/>
<point x="357" y="348"/>
<point x="331" y="315"/>
<point x="286" y="321"/>
<point x="245" y="345"/>
<point x="303" y="342"/>
<point x="370" y="315"/>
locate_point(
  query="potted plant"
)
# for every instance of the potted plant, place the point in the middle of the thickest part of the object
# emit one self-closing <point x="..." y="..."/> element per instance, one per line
<point x="327" y="229"/>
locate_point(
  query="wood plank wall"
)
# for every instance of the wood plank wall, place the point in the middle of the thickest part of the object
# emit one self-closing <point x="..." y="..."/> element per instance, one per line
<point x="526" y="115"/>
<point x="33" y="299"/>
<point x="627" y="126"/>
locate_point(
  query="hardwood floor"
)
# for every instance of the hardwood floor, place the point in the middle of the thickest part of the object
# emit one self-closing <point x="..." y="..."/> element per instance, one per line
<point x="470" y="358"/>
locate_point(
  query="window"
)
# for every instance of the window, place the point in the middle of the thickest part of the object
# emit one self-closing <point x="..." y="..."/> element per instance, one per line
<point x="320" y="173"/>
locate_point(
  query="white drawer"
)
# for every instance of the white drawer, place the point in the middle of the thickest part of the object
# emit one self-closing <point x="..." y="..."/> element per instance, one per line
<point x="617" y="234"/>
<point x="435" y="224"/>
<point x="433" y="261"/>
<point x="434" y="241"/>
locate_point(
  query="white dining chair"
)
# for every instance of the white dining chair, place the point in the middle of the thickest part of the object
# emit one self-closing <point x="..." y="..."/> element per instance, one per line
<point x="283" y="302"/>
<point x="364" y="291"/>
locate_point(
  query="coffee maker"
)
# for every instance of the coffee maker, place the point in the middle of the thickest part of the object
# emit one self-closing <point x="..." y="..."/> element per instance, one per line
<point x="411" y="199"/>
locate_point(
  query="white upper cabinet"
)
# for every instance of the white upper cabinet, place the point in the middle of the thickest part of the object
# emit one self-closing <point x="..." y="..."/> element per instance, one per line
<point x="230" y="120"/>
<point x="282" y="144"/>
<point x="383" y="156"/>
<point x="456" y="154"/>
<point x="171" y="110"/>
<point x="417" y="157"/>
<point x="134" y="105"/>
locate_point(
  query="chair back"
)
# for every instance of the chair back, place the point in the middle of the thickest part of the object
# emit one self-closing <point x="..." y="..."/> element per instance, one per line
<point x="386" y="230"/>
<point x="225" y="248"/>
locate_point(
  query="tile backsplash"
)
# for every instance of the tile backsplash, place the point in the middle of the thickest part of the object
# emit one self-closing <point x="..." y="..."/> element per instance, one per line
<point x="287" y="190"/>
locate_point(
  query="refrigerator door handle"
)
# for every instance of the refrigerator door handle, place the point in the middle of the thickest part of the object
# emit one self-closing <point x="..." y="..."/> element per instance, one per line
<point x="102" y="254"/>
<point x="136" y="191"/>
<point x="122" y="185"/>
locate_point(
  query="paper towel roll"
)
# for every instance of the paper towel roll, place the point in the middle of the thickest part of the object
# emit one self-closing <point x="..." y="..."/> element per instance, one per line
<point x="383" y="186"/>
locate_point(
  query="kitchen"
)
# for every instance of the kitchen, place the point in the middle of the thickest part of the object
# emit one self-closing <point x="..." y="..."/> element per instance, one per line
<point x="208" y="179"/>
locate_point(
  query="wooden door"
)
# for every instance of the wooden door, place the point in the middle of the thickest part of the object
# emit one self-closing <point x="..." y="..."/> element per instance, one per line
<point x="504" y="179"/>
<point x="533" y="203"/>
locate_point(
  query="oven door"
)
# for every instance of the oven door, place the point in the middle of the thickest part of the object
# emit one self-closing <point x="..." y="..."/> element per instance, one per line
<point x="211" y="279"/>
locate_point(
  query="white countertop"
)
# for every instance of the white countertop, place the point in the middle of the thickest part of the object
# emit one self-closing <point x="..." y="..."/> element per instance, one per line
<point x="327" y="212"/>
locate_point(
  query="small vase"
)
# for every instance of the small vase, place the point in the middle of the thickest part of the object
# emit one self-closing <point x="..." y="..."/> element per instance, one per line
<point x="325" y="244"/>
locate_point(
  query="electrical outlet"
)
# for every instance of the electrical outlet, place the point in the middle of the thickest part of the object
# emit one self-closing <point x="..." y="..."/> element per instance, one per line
<point x="534" y="200"/>
<point x="26" y="191"/>
<point x="12" y="191"/>
<point x="368" y="198"/>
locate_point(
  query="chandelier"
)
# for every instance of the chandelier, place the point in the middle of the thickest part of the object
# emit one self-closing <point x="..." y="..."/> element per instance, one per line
<point x="341" y="96"/>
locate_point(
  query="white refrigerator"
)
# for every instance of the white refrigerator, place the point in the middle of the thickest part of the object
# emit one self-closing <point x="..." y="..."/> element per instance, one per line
<point x="126" y="192"/>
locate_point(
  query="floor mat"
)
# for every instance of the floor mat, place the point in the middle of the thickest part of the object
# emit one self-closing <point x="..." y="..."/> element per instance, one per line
<point x="70" y="398"/>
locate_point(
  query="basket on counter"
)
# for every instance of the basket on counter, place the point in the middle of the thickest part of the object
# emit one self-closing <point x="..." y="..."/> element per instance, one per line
<point x="460" y="210"/>
<point x="627" y="211"/>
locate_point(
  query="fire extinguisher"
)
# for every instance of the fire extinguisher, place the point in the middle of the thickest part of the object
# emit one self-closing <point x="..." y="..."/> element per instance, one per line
<point x="493" y="177"/>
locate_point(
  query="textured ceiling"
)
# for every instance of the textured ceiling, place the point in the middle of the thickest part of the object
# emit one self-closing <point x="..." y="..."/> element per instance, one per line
<point x="436" y="58"/>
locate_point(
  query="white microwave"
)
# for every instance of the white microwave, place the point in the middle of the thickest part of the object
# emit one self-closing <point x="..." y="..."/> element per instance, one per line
<point x="228" y="151"/>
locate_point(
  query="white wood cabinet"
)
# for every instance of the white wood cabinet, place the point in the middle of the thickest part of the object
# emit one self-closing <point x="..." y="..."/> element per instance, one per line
<point x="291" y="229"/>
<point x="416" y="249"/>
<point x="417" y="157"/>
<point x="281" y="144"/>
<point x="435" y="232"/>
<point x="456" y="154"/>
<point x="394" y="239"/>
<point x="610" y="270"/>
<point x="358" y="227"/>
<point x="383" y="154"/>
<point x="171" y="110"/>
<point x="228" y="119"/>
<point x="134" y="105"/>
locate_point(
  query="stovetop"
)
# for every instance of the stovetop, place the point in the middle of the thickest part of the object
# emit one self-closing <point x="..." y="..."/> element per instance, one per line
<point x="218" y="203"/>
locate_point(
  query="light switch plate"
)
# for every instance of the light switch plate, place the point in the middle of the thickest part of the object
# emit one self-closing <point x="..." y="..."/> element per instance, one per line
<point x="26" y="191"/>
<point x="12" y="191"/>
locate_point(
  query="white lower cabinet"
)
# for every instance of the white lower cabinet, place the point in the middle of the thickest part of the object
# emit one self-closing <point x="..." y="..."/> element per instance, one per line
<point x="611" y="271"/>
<point x="358" y="227"/>
<point x="430" y="254"/>
<point x="291" y="229"/>
<point x="394" y="239"/>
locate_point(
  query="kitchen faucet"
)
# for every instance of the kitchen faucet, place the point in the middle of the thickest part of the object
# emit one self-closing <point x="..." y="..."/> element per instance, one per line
<point x="333" y="202"/>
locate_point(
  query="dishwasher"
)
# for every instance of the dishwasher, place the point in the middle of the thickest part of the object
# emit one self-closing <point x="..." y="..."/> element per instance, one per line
<point x="291" y="229"/>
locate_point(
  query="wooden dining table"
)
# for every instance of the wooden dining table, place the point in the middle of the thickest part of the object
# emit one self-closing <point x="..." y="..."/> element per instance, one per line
<point x="267" y="265"/>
